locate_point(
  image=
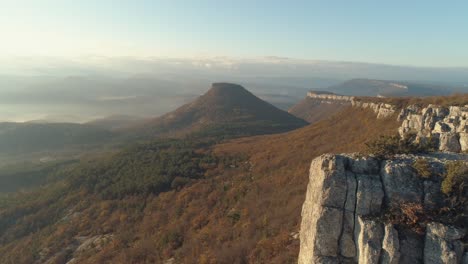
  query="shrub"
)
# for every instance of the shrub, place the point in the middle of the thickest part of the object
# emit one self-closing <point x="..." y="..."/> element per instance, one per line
<point x="388" y="146"/>
<point x="179" y="182"/>
<point x="142" y="169"/>
<point x="234" y="216"/>
<point x="456" y="178"/>
<point x="455" y="186"/>
<point x="411" y="215"/>
<point x="422" y="168"/>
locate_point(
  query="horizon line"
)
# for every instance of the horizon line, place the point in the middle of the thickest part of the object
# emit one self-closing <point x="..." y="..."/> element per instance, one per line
<point x="233" y="59"/>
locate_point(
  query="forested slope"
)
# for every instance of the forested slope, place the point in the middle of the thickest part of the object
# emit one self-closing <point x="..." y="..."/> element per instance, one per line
<point x="192" y="200"/>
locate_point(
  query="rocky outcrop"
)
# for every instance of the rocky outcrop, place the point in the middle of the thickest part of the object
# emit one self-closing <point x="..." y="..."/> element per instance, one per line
<point x="447" y="127"/>
<point x="81" y="246"/>
<point x="325" y="96"/>
<point x="342" y="214"/>
<point x="443" y="245"/>
<point x="382" y="110"/>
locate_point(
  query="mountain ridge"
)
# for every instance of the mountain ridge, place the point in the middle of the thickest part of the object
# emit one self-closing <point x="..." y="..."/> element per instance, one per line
<point x="374" y="87"/>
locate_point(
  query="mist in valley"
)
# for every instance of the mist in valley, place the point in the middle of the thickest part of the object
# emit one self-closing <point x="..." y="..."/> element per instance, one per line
<point x="89" y="88"/>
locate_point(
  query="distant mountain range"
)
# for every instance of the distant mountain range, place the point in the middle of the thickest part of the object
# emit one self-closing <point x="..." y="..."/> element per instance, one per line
<point x="81" y="98"/>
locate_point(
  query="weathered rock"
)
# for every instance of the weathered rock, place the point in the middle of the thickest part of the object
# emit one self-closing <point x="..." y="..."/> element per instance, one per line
<point x="364" y="165"/>
<point x="390" y="246"/>
<point x="465" y="258"/>
<point x="400" y="183"/>
<point x="369" y="195"/>
<point x="323" y="209"/>
<point x="329" y="96"/>
<point x="463" y="141"/>
<point x="347" y="244"/>
<point x="411" y="247"/>
<point x="442" y="244"/>
<point x="385" y="110"/>
<point x="432" y="196"/>
<point x="382" y="110"/>
<point x="93" y="243"/>
<point x="449" y="142"/>
<point x="441" y="127"/>
<point x="370" y="241"/>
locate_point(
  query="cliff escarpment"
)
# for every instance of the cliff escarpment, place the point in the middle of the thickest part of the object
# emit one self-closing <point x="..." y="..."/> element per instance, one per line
<point x="398" y="208"/>
<point x="382" y="110"/>
<point x="349" y="212"/>
<point x="321" y="105"/>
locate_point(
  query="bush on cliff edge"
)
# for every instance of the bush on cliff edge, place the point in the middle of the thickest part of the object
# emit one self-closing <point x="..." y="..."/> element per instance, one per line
<point x="386" y="147"/>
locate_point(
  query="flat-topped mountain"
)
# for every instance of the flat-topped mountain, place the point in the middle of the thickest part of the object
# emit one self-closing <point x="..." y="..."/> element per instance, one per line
<point x="369" y="87"/>
<point x="225" y="107"/>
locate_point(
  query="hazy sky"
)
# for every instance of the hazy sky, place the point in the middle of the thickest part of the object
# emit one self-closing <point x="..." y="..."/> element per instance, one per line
<point x="423" y="33"/>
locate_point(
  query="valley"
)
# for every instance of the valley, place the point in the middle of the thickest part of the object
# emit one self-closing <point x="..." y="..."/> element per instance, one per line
<point x="219" y="180"/>
<point x="233" y="132"/>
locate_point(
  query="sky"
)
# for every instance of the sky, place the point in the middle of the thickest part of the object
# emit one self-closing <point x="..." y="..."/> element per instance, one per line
<point x="419" y="33"/>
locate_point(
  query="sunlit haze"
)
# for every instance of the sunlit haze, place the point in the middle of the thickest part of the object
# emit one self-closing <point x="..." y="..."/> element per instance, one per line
<point x="233" y="131"/>
<point x="60" y="58"/>
<point x="422" y="33"/>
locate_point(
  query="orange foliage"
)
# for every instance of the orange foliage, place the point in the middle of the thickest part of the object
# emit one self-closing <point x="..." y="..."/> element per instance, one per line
<point x="244" y="213"/>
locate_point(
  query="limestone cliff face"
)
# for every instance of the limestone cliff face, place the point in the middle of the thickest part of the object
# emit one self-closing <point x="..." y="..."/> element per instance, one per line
<point x="447" y="126"/>
<point x="330" y="97"/>
<point x="382" y="110"/>
<point x="346" y="195"/>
